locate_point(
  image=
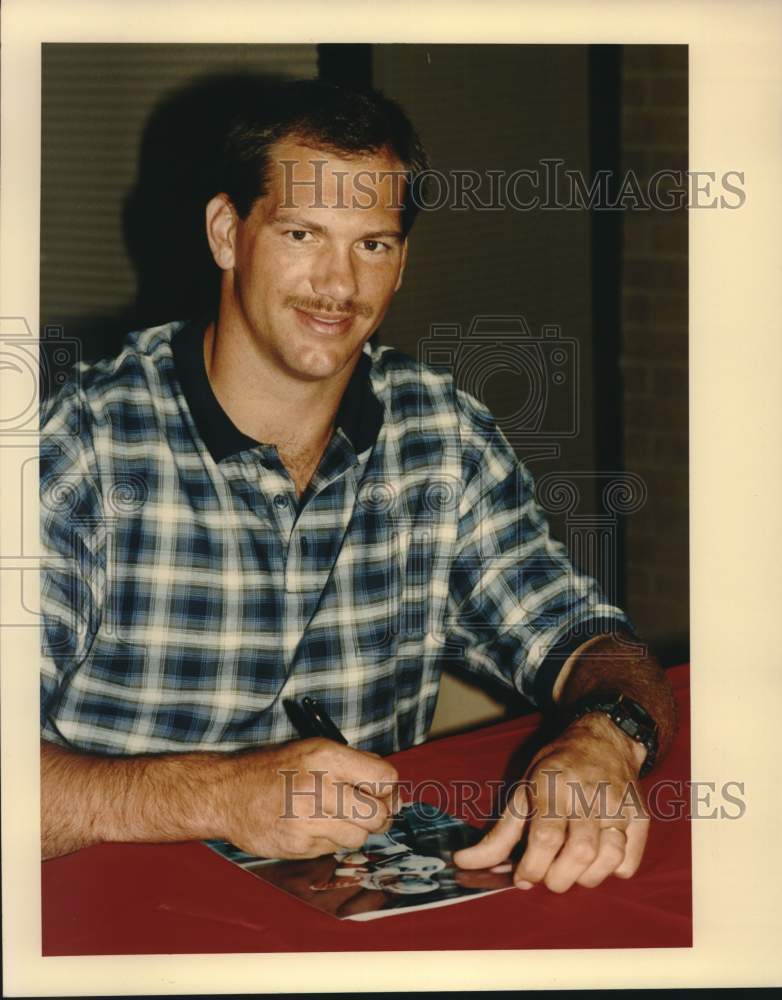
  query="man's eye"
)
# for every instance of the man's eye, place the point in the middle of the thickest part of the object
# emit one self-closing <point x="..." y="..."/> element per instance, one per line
<point x="299" y="235"/>
<point x="375" y="246"/>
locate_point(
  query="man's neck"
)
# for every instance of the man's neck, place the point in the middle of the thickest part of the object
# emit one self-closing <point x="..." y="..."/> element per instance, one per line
<point x="266" y="405"/>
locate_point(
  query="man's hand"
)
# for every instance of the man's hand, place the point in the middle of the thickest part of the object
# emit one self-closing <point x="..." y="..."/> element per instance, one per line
<point x="579" y="803"/>
<point x="306" y="798"/>
<point x="581" y="808"/>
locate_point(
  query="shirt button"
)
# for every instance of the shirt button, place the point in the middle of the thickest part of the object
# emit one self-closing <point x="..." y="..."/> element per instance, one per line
<point x="280" y="501"/>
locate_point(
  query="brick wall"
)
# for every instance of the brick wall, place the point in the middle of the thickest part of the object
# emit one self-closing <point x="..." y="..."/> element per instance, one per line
<point x="655" y="348"/>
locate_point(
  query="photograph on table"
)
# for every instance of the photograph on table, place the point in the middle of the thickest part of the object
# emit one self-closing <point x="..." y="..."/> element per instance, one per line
<point x="409" y="867"/>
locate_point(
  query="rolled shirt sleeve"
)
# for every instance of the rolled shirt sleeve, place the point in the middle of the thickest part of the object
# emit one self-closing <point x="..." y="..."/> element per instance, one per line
<point x="517" y="605"/>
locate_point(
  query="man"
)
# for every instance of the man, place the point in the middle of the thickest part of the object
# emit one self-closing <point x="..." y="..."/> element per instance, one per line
<point x="259" y="506"/>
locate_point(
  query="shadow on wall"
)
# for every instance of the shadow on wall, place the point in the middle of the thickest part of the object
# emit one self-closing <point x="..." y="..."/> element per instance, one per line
<point x="163" y="216"/>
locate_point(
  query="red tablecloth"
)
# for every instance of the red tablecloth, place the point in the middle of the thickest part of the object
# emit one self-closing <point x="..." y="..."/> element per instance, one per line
<point x="182" y="898"/>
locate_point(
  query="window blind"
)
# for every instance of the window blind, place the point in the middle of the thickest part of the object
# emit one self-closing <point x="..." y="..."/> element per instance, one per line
<point x="97" y="100"/>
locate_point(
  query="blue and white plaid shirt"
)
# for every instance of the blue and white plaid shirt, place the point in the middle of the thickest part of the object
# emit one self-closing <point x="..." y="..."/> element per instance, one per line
<point x="189" y="595"/>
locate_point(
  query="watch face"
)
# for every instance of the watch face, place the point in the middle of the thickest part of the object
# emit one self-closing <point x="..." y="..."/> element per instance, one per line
<point x="639" y="714"/>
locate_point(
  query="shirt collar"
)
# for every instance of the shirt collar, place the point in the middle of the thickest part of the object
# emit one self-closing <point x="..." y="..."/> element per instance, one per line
<point x="360" y="414"/>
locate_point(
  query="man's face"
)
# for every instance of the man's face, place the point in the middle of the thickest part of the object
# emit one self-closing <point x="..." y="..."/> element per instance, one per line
<point x="316" y="263"/>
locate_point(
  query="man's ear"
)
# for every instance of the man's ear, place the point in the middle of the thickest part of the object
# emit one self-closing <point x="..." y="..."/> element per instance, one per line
<point x="398" y="284"/>
<point x="221" y="230"/>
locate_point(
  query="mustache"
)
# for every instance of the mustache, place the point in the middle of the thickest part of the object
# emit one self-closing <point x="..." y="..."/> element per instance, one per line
<point x="349" y="308"/>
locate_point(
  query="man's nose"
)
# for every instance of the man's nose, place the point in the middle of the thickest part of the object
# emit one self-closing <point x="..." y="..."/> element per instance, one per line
<point x="334" y="275"/>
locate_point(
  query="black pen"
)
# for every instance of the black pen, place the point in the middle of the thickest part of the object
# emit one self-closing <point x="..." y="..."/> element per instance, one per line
<point x="322" y="723"/>
<point x="321" y="720"/>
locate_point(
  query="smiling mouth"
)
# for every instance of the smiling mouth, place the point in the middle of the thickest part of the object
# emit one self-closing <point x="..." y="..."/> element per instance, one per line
<point x="328" y="324"/>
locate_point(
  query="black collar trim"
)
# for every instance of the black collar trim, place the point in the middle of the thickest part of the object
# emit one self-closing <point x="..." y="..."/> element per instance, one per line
<point x="360" y="414"/>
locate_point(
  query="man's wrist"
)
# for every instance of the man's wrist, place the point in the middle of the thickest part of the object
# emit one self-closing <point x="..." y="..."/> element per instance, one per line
<point x="601" y="729"/>
<point x="630" y="687"/>
<point x="635" y="750"/>
<point x="630" y="720"/>
<point x="162" y="798"/>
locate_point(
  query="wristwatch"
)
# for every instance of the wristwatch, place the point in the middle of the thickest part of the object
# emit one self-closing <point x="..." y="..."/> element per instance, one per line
<point x="630" y="717"/>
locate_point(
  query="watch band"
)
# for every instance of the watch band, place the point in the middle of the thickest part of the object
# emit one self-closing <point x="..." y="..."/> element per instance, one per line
<point x="627" y="715"/>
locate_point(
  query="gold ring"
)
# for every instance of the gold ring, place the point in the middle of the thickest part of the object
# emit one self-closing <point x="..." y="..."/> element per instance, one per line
<point x="623" y="832"/>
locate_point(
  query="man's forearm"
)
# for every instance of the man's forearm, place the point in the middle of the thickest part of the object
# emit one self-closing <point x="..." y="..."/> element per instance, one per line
<point x="605" y="665"/>
<point x="87" y="799"/>
<point x="297" y="799"/>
